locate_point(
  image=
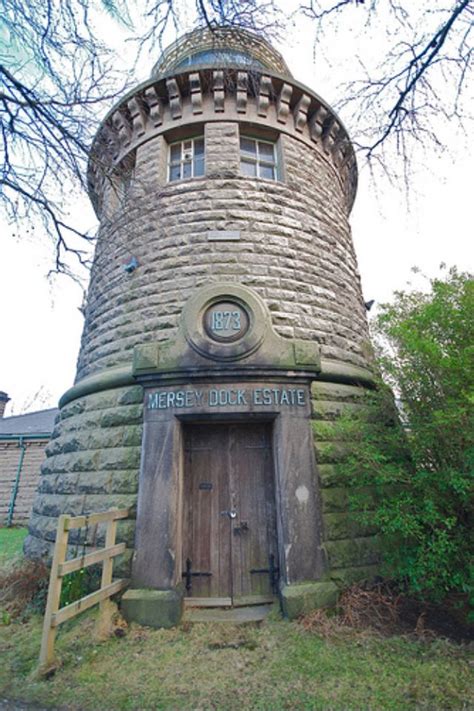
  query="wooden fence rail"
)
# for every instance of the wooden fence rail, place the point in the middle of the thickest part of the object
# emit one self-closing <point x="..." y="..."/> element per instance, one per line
<point x="60" y="567"/>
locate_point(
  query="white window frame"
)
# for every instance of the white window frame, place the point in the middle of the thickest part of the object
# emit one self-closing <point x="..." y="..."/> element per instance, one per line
<point x="187" y="155"/>
<point x="258" y="161"/>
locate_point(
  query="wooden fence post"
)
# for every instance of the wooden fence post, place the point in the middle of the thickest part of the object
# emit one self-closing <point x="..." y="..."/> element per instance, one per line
<point x="54" y="594"/>
<point x="107" y="608"/>
<point x="60" y="567"/>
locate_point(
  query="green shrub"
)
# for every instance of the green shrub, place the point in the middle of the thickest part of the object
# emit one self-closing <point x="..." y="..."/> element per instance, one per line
<point x="422" y="472"/>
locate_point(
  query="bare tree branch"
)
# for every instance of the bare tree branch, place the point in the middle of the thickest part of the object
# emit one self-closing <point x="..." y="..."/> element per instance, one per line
<point x="414" y="71"/>
<point x="57" y="80"/>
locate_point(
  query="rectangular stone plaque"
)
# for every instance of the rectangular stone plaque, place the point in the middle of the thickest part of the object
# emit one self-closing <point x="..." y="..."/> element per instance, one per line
<point x="227" y="397"/>
<point x="223" y="235"/>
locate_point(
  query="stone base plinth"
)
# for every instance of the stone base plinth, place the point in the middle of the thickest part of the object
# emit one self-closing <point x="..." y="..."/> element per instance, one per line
<point x="302" y="598"/>
<point x="153" y="608"/>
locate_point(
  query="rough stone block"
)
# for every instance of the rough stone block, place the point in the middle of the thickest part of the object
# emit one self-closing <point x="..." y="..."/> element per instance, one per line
<point x="74" y="408"/>
<point x="323" y="430"/>
<point x="124" y="482"/>
<point x="120" y="458"/>
<point x="126" y="532"/>
<point x="123" y="564"/>
<point x="94" y="503"/>
<point x="330" y="475"/>
<point x="125" y="415"/>
<point x="66" y="484"/>
<point x="335" y="391"/>
<point x="344" y="525"/>
<point x="132" y="436"/>
<point x="153" y="608"/>
<point x="43" y="527"/>
<point x="328" y="410"/>
<point x="353" y="552"/>
<point x="299" y="599"/>
<point x="101" y="400"/>
<point x="328" y="452"/>
<point x="344" y="577"/>
<point x="131" y="396"/>
<point x="94" y="483"/>
<point x="37" y="548"/>
<point x="337" y="499"/>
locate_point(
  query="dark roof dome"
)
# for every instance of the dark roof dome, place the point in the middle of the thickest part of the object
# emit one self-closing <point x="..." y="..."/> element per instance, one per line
<point x="223" y="46"/>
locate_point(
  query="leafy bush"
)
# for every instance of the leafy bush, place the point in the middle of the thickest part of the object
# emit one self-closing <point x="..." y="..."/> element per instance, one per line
<point x="421" y="473"/>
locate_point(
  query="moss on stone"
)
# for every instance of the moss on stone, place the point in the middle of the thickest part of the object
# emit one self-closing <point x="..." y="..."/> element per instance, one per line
<point x="336" y="391"/>
<point x="329" y="452"/>
<point x="344" y="525"/>
<point x="125" y="415"/>
<point x="352" y="552"/>
<point x="344" y="577"/>
<point x="301" y="598"/>
<point x="131" y="396"/>
<point x="153" y="608"/>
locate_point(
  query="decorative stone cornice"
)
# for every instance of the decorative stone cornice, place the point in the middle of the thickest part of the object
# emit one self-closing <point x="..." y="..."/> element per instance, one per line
<point x="210" y="94"/>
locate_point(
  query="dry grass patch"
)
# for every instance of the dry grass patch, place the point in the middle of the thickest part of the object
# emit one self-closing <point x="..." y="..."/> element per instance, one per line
<point x="23" y="587"/>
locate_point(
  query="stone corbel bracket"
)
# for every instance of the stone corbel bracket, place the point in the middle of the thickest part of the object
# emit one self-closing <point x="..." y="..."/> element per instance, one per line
<point x="184" y="98"/>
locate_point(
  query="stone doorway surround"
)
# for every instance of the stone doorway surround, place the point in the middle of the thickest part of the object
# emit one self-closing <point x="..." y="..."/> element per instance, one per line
<point x="256" y="377"/>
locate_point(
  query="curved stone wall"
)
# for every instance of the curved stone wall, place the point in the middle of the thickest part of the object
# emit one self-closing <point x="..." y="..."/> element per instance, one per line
<point x="295" y="250"/>
<point x="92" y="464"/>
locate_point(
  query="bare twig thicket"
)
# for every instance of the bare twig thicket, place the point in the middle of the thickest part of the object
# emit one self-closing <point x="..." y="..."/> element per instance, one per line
<point x="56" y="82"/>
<point x="54" y="78"/>
<point x="421" y="78"/>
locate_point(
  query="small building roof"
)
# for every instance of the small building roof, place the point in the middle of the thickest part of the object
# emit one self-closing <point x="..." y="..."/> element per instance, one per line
<point x="31" y="423"/>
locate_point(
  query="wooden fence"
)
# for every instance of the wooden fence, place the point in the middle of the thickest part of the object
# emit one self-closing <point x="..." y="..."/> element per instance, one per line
<point x="54" y="616"/>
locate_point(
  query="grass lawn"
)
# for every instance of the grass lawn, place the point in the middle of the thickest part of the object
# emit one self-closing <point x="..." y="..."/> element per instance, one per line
<point x="275" y="666"/>
<point x="11" y="543"/>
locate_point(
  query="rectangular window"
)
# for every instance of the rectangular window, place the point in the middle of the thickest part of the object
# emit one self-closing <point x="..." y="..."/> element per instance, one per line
<point x="186" y="159"/>
<point x="258" y="158"/>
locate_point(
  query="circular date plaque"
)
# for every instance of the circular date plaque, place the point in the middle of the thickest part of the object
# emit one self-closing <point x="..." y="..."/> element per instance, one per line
<point x="226" y="321"/>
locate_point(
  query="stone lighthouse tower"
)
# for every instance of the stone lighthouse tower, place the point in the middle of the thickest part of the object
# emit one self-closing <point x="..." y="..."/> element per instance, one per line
<point x="225" y="329"/>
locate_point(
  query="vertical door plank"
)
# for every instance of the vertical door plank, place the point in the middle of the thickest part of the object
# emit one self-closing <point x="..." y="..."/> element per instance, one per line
<point x="254" y="480"/>
<point x="206" y="532"/>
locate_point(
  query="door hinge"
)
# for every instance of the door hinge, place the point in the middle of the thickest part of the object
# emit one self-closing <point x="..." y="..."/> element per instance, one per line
<point x="273" y="573"/>
<point x="189" y="573"/>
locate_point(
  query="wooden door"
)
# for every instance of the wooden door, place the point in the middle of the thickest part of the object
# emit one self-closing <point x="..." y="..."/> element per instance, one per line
<point x="229" y="537"/>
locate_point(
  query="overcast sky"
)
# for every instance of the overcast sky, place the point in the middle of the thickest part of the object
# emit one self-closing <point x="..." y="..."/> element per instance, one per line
<point x="41" y="323"/>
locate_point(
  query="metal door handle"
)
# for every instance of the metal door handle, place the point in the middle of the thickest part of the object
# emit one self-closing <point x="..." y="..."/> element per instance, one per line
<point x="231" y="514"/>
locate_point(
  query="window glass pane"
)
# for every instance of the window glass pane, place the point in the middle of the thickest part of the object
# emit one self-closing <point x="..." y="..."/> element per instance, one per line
<point x="186" y="159"/>
<point x="265" y="151"/>
<point x="175" y="171"/>
<point x="198" y="166"/>
<point x="248" y="168"/>
<point x="187" y="169"/>
<point x="248" y="147"/>
<point x="175" y="152"/>
<point x="199" y="147"/>
<point x="267" y="171"/>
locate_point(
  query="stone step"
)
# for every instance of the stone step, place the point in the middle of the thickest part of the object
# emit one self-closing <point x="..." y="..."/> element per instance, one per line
<point x="232" y="615"/>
